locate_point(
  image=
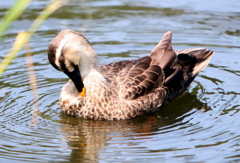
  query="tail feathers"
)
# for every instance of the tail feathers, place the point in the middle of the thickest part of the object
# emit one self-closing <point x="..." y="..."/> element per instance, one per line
<point x="179" y="67"/>
<point x="203" y="58"/>
<point x="189" y="63"/>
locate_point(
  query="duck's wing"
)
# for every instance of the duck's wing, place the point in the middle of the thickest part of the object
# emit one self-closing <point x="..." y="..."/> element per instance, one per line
<point x="163" y="54"/>
<point x="166" y="67"/>
<point x="139" y="78"/>
<point x="142" y="76"/>
<point x="111" y="70"/>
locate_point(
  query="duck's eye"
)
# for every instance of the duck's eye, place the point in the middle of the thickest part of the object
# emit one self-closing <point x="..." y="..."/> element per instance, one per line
<point x="61" y="59"/>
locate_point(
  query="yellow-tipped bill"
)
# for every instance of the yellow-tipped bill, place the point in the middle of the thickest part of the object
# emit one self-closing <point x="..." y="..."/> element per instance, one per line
<point x="83" y="92"/>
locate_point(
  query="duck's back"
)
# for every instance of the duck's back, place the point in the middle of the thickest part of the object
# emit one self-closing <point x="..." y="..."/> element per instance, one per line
<point x="154" y="80"/>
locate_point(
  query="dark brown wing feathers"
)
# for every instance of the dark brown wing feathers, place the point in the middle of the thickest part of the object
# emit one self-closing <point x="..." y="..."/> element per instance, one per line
<point x="139" y="78"/>
<point x="111" y="70"/>
<point x="163" y="54"/>
<point x="163" y="67"/>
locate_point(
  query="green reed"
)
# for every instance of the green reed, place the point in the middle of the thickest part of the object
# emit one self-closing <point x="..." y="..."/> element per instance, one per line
<point x="23" y="37"/>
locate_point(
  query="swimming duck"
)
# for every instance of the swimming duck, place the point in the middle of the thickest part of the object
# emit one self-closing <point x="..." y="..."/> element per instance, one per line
<point x="124" y="89"/>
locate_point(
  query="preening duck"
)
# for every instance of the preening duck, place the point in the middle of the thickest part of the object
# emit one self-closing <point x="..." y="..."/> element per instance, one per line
<point x="124" y="89"/>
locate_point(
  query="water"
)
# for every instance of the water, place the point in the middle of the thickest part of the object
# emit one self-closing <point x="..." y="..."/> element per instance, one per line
<point x="200" y="126"/>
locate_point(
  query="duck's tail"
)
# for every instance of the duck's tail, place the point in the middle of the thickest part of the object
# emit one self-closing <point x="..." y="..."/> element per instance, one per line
<point x="202" y="56"/>
<point x="189" y="63"/>
<point x="179" y="67"/>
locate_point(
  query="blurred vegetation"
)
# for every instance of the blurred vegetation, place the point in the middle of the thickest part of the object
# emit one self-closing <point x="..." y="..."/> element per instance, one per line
<point x="22" y="40"/>
<point x="23" y="37"/>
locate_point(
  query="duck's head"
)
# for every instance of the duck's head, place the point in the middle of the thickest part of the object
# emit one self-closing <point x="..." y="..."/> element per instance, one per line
<point x="71" y="53"/>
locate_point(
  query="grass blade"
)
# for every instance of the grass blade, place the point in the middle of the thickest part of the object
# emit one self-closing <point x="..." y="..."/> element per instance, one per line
<point x="13" y="13"/>
<point x="23" y="37"/>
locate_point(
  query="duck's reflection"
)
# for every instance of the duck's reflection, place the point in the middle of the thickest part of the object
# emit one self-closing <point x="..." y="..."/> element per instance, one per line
<point x="86" y="137"/>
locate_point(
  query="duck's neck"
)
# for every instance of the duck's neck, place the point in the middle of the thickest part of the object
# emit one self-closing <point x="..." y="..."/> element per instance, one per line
<point x="96" y="84"/>
<point x="88" y="63"/>
<point x="88" y="68"/>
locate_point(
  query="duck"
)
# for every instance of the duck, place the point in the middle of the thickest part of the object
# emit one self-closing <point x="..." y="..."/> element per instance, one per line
<point x="123" y="89"/>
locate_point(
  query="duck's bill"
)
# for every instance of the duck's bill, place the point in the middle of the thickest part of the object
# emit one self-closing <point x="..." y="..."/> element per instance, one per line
<point x="75" y="76"/>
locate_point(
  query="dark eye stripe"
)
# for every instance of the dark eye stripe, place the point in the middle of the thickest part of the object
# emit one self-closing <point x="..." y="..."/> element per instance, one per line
<point x="63" y="67"/>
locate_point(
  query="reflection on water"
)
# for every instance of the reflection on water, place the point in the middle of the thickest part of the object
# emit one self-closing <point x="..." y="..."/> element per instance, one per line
<point x="200" y="126"/>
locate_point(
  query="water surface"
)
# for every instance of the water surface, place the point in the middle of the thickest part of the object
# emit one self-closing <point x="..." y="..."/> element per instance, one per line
<point x="202" y="125"/>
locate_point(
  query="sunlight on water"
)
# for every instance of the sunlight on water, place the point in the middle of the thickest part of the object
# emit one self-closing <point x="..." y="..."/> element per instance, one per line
<point x="200" y="126"/>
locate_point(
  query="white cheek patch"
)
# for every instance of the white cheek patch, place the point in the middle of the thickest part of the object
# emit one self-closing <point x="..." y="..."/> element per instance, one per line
<point x="59" y="50"/>
<point x="74" y="56"/>
<point x="69" y="66"/>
